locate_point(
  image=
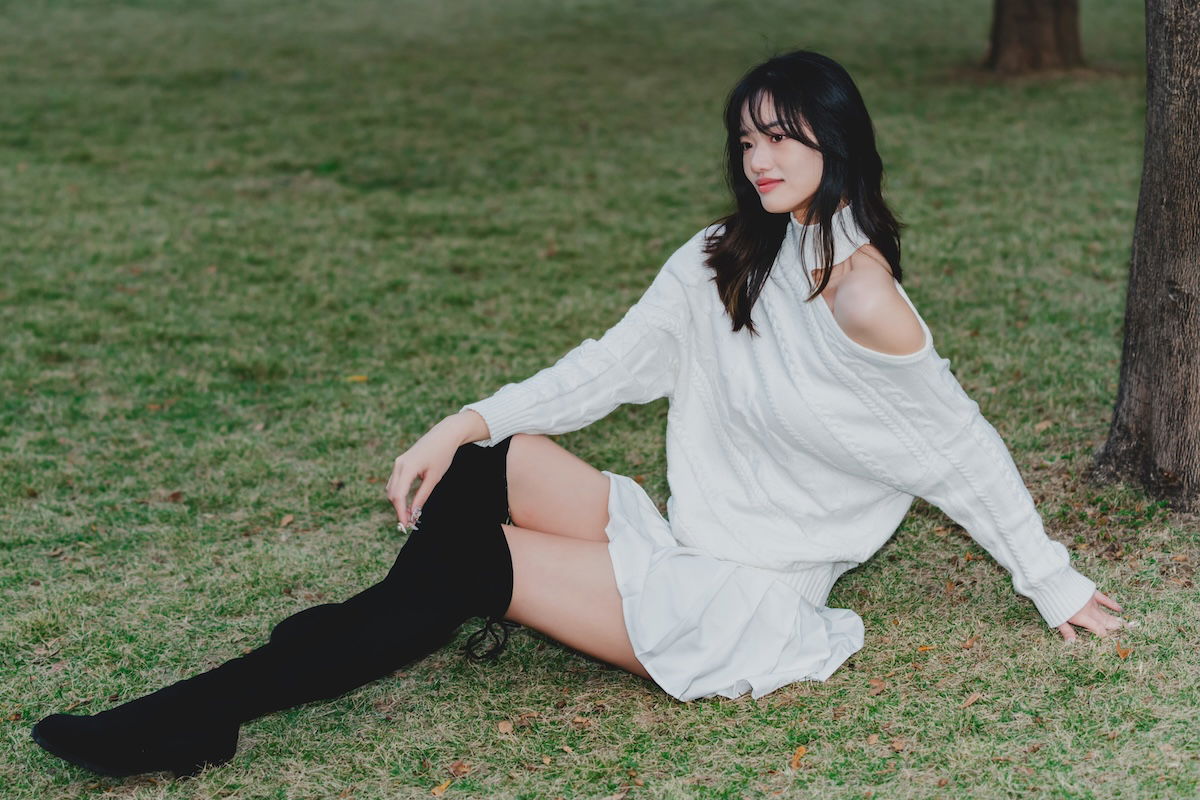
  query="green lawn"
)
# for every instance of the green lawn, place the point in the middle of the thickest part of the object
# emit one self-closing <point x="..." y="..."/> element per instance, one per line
<point x="215" y="213"/>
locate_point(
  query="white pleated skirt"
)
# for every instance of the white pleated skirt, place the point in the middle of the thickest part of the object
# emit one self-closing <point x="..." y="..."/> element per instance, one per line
<point x="703" y="626"/>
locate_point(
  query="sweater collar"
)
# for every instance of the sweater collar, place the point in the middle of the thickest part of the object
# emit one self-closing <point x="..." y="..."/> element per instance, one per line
<point x="847" y="237"/>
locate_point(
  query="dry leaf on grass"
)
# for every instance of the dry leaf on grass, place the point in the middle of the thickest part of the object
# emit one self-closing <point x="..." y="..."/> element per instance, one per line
<point x="971" y="698"/>
<point x="288" y="519"/>
<point x="924" y="647"/>
<point x="873" y="738"/>
<point x="877" y="685"/>
<point x="794" y="763"/>
<point x="504" y="726"/>
<point x="1123" y="652"/>
<point x="459" y="768"/>
<point x="969" y="643"/>
<point x="441" y="788"/>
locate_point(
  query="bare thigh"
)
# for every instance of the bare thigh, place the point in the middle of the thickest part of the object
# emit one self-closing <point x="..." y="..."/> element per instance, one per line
<point x="565" y="588"/>
<point x="552" y="490"/>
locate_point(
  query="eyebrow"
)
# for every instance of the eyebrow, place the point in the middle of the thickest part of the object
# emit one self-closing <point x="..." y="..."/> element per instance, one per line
<point x="772" y="124"/>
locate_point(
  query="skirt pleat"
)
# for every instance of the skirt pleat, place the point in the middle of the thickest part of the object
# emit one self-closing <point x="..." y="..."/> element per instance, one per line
<point x="704" y="626"/>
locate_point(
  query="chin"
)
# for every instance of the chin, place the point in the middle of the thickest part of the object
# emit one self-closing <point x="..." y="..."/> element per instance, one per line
<point x="776" y="206"/>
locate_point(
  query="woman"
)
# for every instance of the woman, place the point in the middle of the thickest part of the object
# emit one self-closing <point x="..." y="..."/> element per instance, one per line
<point x="796" y="442"/>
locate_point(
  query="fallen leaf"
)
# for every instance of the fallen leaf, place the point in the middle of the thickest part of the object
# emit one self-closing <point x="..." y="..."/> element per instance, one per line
<point x="13" y="717"/>
<point x="971" y="698"/>
<point x="898" y="745"/>
<point x="796" y="756"/>
<point x="175" y="496"/>
<point x="567" y="748"/>
<point x="1123" y="652"/>
<point x="1180" y="557"/>
<point x="545" y="759"/>
<point x="1041" y="426"/>
<point x="356" y="378"/>
<point x="949" y="587"/>
<point x="460" y="768"/>
<point x="504" y="726"/>
<point x="877" y="686"/>
<point x="581" y="721"/>
<point x="924" y="647"/>
<point x="969" y="643"/>
<point x="288" y="519"/>
<point x="873" y="738"/>
<point x="442" y="787"/>
<point x="56" y="552"/>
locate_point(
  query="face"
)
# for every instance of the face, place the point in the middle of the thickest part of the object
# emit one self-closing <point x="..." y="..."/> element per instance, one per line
<point x="785" y="171"/>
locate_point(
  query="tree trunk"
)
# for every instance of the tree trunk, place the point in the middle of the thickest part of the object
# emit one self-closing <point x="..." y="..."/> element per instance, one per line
<point x="1034" y="35"/>
<point x="1155" y="434"/>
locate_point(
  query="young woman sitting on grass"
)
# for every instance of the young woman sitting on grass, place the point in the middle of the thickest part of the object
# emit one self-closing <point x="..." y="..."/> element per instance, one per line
<point x="796" y="442"/>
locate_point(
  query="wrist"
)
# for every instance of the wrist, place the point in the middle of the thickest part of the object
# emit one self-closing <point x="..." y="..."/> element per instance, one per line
<point x="469" y="426"/>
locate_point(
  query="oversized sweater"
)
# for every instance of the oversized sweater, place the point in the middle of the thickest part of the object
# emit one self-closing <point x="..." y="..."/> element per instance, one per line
<point x="799" y="450"/>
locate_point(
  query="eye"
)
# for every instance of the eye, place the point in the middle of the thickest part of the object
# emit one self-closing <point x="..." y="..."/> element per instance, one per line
<point x="778" y="136"/>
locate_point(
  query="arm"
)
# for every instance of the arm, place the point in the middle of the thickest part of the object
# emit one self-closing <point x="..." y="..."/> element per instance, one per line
<point x="968" y="471"/>
<point x="635" y="361"/>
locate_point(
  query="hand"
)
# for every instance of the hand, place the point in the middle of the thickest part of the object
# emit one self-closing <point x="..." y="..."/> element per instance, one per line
<point x="1095" y="620"/>
<point x="428" y="460"/>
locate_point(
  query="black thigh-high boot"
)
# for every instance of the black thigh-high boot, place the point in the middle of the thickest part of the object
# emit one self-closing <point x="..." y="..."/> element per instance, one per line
<point x="447" y="572"/>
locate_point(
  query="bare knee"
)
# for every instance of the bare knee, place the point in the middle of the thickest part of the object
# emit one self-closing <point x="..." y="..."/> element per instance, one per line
<point x="554" y="491"/>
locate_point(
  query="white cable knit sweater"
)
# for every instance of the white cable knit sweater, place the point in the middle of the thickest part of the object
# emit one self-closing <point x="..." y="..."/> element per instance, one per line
<point x="799" y="450"/>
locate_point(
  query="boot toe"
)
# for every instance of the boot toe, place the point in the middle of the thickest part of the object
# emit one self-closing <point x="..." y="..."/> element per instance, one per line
<point x="77" y="740"/>
<point x="88" y="742"/>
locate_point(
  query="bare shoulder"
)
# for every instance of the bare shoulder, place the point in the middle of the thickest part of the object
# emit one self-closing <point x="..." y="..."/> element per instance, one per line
<point x="869" y="307"/>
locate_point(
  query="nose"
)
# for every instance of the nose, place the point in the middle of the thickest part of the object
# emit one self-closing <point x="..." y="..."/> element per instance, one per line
<point x="760" y="159"/>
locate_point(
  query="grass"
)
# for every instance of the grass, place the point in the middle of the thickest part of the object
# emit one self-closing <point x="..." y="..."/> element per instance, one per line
<point x="215" y="213"/>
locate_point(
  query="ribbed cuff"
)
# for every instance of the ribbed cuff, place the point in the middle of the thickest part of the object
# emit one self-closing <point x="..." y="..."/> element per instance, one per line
<point x="1062" y="596"/>
<point x="503" y="412"/>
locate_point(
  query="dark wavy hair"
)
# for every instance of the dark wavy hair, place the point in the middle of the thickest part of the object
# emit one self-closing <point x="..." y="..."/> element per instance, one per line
<point x="807" y="86"/>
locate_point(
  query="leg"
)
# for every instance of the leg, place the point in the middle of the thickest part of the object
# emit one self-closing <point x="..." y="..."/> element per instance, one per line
<point x="565" y="588"/>
<point x="552" y="490"/>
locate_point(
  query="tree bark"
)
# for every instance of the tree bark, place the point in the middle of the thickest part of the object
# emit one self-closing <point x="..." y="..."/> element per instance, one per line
<point x="1034" y="35"/>
<point x="1155" y="434"/>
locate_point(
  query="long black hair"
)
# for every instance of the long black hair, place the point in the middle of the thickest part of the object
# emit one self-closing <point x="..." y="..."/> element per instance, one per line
<point x="807" y="86"/>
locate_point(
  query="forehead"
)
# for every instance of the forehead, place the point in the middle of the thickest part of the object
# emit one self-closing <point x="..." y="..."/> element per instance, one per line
<point x="765" y="110"/>
<point x="767" y="116"/>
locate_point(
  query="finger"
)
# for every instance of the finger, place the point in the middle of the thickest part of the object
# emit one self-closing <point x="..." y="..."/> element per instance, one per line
<point x="422" y="494"/>
<point x="399" y="496"/>
<point x="1106" y="601"/>
<point x="1067" y="631"/>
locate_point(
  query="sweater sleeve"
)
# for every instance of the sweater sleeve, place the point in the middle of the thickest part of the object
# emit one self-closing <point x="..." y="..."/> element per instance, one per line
<point x="965" y="469"/>
<point x="635" y="361"/>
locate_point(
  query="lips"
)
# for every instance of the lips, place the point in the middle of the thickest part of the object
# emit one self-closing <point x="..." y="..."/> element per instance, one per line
<point x="767" y="185"/>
